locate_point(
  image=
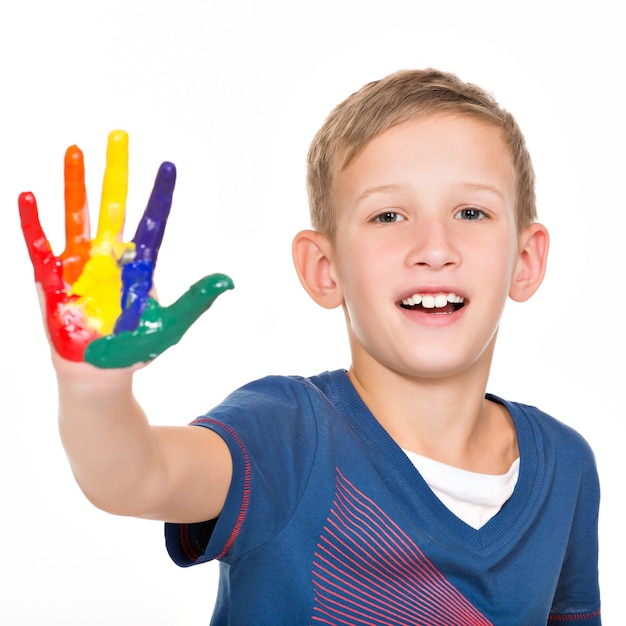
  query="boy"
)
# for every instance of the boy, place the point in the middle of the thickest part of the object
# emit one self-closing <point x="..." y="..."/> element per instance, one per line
<point x="397" y="492"/>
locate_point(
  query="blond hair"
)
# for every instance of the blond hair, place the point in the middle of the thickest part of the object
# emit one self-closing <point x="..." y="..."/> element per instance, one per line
<point x="399" y="97"/>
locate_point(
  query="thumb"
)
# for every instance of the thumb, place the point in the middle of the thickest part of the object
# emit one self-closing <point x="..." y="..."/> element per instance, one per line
<point x="159" y="327"/>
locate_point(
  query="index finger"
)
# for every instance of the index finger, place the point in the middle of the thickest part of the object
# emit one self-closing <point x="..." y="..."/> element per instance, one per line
<point x="151" y="228"/>
<point x="114" y="191"/>
<point x="137" y="274"/>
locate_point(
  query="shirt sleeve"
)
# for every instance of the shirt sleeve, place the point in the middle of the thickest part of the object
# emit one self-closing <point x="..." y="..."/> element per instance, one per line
<point x="270" y="429"/>
<point x="577" y="597"/>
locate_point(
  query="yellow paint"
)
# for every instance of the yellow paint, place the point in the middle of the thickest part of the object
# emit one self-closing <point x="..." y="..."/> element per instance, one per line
<point x="99" y="286"/>
<point x="113" y="201"/>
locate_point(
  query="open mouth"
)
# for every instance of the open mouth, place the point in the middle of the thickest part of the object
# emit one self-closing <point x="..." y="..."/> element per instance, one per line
<point x="433" y="303"/>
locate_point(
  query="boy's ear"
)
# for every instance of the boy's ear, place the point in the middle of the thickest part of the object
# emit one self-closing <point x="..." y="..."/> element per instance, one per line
<point x="312" y="254"/>
<point x="534" y="243"/>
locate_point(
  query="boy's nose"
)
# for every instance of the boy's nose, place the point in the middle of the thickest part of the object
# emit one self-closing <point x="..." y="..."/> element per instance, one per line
<point x="433" y="245"/>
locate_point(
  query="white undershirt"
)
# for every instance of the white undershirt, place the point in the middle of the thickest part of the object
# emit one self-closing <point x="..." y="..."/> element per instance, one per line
<point x="474" y="498"/>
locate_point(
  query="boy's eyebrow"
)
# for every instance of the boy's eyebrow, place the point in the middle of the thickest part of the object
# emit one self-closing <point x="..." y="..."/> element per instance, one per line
<point x="465" y="185"/>
<point x="378" y="189"/>
<point x="483" y="187"/>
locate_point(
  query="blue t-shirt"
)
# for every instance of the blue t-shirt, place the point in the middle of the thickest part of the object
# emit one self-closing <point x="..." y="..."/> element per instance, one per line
<point x="327" y="521"/>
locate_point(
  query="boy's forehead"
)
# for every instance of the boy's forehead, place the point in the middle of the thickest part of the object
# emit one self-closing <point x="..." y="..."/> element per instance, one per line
<point x="425" y="121"/>
<point x="443" y="135"/>
<point x="430" y="158"/>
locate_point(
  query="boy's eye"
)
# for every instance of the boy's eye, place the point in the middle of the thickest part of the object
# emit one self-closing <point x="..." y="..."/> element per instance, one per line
<point x="470" y="214"/>
<point x="389" y="217"/>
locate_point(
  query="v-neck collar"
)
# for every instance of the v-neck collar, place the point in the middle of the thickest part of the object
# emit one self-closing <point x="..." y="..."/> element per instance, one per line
<point x="510" y="517"/>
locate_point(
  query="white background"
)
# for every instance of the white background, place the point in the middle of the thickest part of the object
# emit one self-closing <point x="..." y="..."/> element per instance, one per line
<point x="232" y="92"/>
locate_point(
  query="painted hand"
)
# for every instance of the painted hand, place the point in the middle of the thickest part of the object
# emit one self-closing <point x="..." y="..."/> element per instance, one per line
<point x="98" y="306"/>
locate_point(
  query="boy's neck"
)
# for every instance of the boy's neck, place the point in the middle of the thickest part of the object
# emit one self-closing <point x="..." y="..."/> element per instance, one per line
<point x="447" y="420"/>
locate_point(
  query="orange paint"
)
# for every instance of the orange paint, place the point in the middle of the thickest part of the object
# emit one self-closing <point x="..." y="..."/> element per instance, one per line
<point x="77" y="232"/>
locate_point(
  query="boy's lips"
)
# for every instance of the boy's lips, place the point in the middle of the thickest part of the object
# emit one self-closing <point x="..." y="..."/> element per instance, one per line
<point x="433" y="302"/>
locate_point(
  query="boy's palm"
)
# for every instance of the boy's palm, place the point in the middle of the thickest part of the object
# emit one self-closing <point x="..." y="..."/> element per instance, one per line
<point x="97" y="302"/>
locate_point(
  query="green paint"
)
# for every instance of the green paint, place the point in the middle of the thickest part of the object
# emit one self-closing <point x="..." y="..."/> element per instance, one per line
<point x="159" y="327"/>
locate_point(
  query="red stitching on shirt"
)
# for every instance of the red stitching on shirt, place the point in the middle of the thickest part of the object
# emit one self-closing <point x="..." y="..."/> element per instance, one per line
<point x="246" y="483"/>
<point x="574" y="617"/>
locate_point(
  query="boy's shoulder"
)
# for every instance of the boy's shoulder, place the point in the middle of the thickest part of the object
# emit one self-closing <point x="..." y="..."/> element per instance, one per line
<point x="280" y="387"/>
<point x="290" y="400"/>
<point x="548" y="432"/>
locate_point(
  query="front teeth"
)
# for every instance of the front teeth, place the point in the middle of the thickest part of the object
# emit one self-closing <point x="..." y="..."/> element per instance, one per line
<point x="429" y="301"/>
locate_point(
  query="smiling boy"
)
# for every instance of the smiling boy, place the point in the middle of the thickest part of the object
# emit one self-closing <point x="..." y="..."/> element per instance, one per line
<point x="398" y="492"/>
<point x="424" y="255"/>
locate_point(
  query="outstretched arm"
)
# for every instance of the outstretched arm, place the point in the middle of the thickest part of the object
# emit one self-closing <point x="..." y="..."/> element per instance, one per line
<point x="128" y="467"/>
<point x="103" y="324"/>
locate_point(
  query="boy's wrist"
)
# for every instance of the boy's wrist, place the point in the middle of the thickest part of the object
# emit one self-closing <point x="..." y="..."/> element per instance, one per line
<point x="84" y="380"/>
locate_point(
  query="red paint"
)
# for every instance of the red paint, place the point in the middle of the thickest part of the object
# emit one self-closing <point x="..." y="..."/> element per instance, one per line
<point x="68" y="331"/>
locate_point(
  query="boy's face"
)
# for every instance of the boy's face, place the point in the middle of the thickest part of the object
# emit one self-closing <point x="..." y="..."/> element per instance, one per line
<point x="426" y="213"/>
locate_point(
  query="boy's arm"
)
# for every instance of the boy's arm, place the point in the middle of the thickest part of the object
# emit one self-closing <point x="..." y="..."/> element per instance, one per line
<point x="103" y="325"/>
<point x="128" y="467"/>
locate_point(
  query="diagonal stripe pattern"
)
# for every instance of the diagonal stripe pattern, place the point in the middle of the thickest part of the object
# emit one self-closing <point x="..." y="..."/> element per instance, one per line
<point x="367" y="570"/>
